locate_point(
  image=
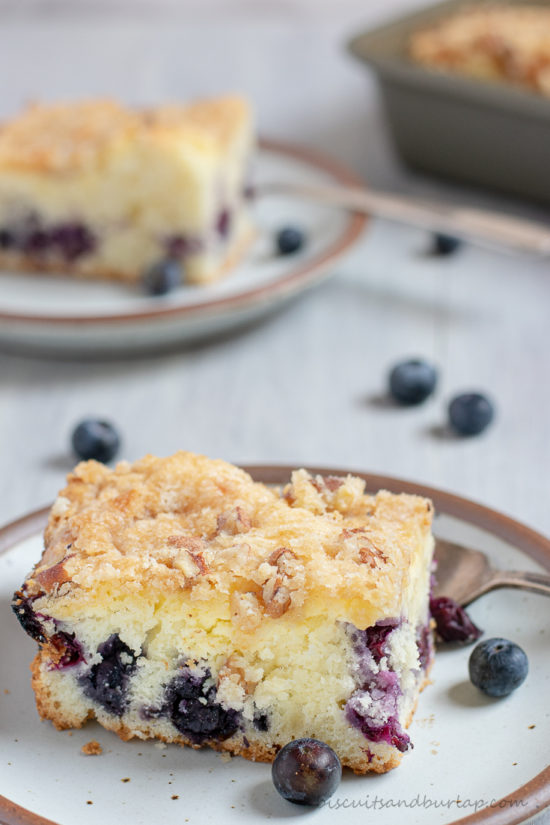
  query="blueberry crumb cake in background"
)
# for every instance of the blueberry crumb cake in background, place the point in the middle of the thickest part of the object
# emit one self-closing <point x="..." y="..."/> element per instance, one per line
<point x="490" y="41"/>
<point x="99" y="190"/>
<point x="178" y="599"/>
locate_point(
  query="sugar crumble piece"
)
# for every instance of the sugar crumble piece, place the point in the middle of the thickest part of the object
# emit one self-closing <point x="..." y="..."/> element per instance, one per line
<point x="92" y="748"/>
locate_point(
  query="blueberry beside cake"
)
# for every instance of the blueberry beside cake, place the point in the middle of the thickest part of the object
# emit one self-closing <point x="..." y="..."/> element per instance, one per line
<point x="178" y="599"/>
<point x="99" y="190"/>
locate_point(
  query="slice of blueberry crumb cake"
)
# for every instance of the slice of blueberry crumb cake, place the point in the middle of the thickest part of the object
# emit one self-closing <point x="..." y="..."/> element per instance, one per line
<point x="178" y="599"/>
<point x="97" y="189"/>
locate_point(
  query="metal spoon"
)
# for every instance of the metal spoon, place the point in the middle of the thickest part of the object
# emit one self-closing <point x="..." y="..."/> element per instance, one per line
<point x="465" y="574"/>
<point x="476" y="225"/>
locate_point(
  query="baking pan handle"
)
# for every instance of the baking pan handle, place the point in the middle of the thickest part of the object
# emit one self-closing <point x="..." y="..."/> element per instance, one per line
<point x="475" y="225"/>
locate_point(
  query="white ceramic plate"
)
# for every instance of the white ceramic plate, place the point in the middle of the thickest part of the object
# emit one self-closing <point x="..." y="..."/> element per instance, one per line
<point x="469" y="750"/>
<point x="64" y="315"/>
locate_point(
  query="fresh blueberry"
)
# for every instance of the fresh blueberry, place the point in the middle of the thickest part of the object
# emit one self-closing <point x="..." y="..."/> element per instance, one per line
<point x="452" y="622"/>
<point x="470" y="413"/>
<point x="95" y="439"/>
<point x="162" y="277"/>
<point x="411" y="382"/>
<point x="306" y="772"/>
<point x="498" y="666"/>
<point x="445" y="244"/>
<point x="290" y="239"/>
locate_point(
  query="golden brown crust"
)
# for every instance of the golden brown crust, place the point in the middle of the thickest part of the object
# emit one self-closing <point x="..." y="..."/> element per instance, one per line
<point x="47" y="707"/>
<point x="63" y="137"/>
<point x="490" y="42"/>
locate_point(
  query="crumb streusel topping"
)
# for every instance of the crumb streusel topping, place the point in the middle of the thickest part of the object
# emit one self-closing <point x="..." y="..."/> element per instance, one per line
<point x="509" y="43"/>
<point x="65" y="137"/>
<point x="201" y="525"/>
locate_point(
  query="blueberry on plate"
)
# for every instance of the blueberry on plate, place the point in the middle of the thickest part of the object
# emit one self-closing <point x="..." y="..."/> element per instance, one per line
<point x="95" y="439"/>
<point x="445" y="244"/>
<point x="290" y="239"/>
<point x="306" y="772"/>
<point x="411" y="382"/>
<point x="162" y="277"/>
<point x="470" y="413"/>
<point x="498" y="666"/>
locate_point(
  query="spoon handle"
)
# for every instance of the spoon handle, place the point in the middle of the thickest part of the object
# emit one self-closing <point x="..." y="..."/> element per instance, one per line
<point x="475" y="225"/>
<point x="535" y="582"/>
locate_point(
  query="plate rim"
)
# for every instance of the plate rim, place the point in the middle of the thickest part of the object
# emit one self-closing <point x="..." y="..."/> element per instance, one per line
<point x="534" y="544"/>
<point x="299" y="276"/>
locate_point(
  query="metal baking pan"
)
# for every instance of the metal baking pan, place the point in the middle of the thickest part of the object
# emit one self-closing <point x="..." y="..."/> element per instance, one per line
<point x="489" y="134"/>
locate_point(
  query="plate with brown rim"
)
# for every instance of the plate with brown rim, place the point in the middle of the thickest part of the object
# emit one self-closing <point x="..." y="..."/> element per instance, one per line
<point x="475" y="760"/>
<point x="60" y="314"/>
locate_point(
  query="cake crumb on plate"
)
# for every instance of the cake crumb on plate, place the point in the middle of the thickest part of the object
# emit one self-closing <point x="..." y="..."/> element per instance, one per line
<point x="92" y="748"/>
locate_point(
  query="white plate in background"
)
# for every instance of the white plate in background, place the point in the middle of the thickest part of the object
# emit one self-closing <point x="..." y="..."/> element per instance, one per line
<point x="64" y="315"/>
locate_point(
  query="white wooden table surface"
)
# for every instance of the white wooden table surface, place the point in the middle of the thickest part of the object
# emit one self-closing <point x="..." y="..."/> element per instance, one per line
<point x="305" y="387"/>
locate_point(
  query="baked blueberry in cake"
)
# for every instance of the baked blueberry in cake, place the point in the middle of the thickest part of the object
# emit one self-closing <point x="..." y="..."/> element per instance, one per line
<point x="96" y="189"/>
<point x="178" y="599"/>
